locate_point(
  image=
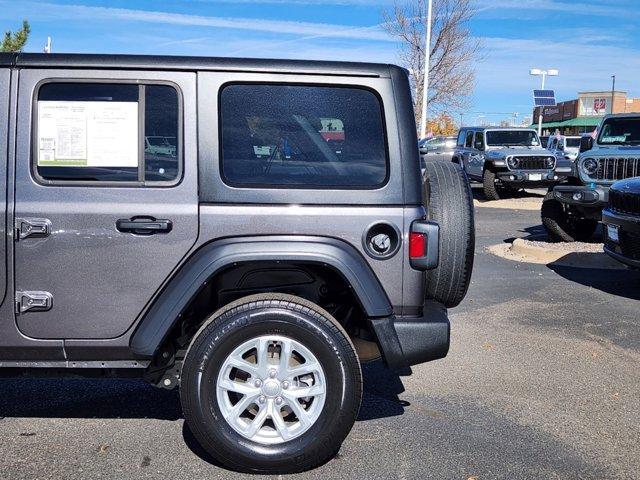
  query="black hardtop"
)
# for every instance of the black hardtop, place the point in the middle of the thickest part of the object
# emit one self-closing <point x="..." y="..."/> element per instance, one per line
<point x="166" y="62"/>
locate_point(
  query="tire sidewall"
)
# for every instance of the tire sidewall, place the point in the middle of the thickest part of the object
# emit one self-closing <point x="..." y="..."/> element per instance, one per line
<point x="201" y="371"/>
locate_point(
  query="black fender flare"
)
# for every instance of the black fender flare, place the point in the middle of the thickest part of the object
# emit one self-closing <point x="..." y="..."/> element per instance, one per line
<point x="203" y="264"/>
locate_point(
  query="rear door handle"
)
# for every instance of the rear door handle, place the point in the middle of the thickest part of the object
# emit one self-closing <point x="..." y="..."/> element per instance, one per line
<point x="143" y="225"/>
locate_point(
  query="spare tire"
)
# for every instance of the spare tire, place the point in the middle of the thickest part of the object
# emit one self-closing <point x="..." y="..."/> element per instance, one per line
<point x="449" y="203"/>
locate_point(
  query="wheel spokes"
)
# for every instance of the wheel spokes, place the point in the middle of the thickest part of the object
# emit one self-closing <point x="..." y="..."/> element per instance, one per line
<point x="279" y="423"/>
<point x="263" y="397"/>
<point x="257" y="422"/>
<point x="239" y="408"/>
<point x="303" y="392"/>
<point x="239" y="387"/>
<point x="306" y="368"/>
<point x="300" y="413"/>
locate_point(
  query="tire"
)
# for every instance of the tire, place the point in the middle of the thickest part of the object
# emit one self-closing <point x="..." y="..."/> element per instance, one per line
<point x="450" y="205"/>
<point x="561" y="226"/>
<point x="495" y="190"/>
<point x="491" y="191"/>
<point x="276" y="317"/>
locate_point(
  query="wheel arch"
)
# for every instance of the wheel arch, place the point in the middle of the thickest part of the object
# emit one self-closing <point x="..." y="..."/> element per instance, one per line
<point x="219" y="256"/>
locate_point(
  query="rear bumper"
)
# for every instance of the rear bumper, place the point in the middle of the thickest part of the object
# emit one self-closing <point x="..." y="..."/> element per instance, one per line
<point x="406" y="341"/>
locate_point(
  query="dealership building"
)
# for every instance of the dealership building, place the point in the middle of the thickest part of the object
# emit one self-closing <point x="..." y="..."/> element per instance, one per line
<point x="583" y="114"/>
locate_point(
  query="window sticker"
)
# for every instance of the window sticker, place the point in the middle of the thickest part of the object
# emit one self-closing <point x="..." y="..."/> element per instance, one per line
<point x="616" y="139"/>
<point x="88" y="134"/>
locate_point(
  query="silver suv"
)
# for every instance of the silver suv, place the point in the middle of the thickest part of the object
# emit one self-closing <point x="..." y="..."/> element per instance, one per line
<point x="572" y="210"/>
<point x="287" y="238"/>
<point x="504" y="159"/>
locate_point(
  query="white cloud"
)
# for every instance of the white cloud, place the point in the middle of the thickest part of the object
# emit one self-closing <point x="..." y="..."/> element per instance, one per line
<point x="523" y="8"/>
<point x="352" y="3"/>
<point x="48" y="11"/>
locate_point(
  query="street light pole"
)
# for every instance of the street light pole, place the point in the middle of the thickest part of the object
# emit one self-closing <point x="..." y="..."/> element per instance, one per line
<point x="543" y="74"/>
<point x="613" y="91"/>
<point x="425" y="85"/>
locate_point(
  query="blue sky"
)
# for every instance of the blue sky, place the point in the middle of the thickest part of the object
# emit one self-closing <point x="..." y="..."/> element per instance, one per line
<point x="587" y="41"/>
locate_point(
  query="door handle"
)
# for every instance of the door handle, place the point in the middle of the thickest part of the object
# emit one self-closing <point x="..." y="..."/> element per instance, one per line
<point x="143" y="225"/>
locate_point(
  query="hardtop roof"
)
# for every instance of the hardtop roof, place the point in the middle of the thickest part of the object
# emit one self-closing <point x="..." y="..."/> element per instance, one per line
<point x="165" y="62"/>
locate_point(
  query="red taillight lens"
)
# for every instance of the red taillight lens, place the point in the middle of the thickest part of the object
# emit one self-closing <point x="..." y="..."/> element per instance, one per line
<point x="417" y="245"/>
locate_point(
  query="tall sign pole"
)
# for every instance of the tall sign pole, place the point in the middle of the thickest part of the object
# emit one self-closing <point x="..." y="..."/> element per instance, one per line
<point x="544" y="76"/>
<point x="613" y="91"/>
<point x="425" y="85"/>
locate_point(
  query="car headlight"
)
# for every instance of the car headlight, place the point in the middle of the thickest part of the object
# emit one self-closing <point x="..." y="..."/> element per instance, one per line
<point x="513" y="162"/>
<point x="590" y="166"/>
<point x="550" y="162"/>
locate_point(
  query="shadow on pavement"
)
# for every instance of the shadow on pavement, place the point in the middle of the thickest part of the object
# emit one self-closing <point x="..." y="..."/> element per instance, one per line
<point x="538" y="233"/>
<point x="622" y="283"/>
<point x="123" y="398"/>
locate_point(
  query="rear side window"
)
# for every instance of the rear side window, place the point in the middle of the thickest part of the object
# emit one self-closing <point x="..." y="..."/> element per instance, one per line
<point x="98" y="132"/>
<point x="469" y="141"/>
<point x="302" y="136"/>
<point x="479" y="142"/>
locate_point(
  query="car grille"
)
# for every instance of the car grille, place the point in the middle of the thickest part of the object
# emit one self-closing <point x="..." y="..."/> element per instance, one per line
<point x="531" y="163"/>
<point x="621" y="202"/>
<point x="618" y="168"/>
<point x="628" y="247"/>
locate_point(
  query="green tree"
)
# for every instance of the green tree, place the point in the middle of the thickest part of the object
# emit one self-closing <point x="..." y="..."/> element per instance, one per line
<point x="14" y="42"/>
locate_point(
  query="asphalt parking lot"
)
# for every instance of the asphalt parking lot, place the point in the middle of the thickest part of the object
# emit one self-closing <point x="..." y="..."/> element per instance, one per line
<point x="541" y="382"/>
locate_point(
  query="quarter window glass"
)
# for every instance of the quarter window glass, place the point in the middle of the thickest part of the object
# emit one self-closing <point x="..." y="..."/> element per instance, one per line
<point x="469" y="141"/>
<point x="92" y="132"/>
<point x="479" y="143"/>
<point x="161" y="133"/>
<point x="301" y="136"/>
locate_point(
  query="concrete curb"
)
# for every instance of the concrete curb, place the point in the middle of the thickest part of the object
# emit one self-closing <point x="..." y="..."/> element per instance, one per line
<point x="525" y="251"/>
<point x="510" y="204"/>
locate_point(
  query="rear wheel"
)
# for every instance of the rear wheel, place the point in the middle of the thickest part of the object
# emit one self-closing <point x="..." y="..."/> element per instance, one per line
<point x="450" y="205"/>
<point x="564" y="225"/>
<point x="271" y="384"/>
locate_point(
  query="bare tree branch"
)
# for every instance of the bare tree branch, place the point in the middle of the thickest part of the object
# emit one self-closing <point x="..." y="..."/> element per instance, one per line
<point x="453" y="51"/>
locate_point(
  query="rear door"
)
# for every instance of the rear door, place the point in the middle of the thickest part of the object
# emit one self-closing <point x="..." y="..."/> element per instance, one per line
<point x="106" y="196"/>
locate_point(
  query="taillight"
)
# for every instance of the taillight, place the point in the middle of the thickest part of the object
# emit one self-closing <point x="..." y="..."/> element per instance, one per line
<point x="424" y="245"/>
<point x="417" y="245"/>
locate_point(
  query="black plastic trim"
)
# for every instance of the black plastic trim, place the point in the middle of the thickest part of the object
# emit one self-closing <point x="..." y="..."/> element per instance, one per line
<point x="406" y="341"/>
<point x="223" y="64"/>
<point x="217" y="255"/>
<point x="594" y="197"/>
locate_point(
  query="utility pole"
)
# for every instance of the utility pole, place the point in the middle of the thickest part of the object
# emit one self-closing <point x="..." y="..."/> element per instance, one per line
<point x="47" y="47"/>
<point x="613" y="91"/>
<point x="425" y="85"/>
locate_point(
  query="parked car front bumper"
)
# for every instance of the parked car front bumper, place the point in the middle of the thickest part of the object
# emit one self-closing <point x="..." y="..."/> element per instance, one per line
<point x="622" y="237"/>
<point x="543" y="177"/>
<point x="582" y="195"/>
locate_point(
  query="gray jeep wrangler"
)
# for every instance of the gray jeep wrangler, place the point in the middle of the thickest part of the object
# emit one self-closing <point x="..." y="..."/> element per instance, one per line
<point x="286" y="239"/>
<point x="571" y="211"/>
<point x="504" y="159"/>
